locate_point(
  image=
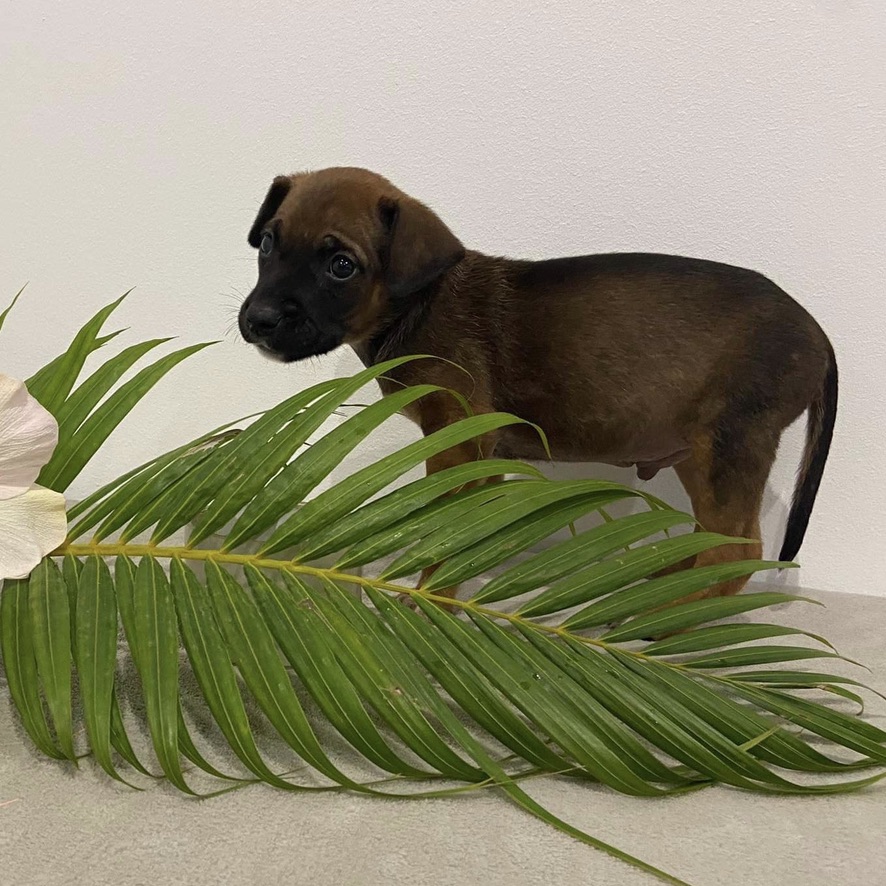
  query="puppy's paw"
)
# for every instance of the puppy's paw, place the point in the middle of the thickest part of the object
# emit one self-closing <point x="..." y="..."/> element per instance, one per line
<point x="408" y="600"/>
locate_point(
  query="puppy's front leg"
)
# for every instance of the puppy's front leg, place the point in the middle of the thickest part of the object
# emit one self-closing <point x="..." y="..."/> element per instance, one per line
<point x="436" y="413"/>
<point x="466" y="452"/>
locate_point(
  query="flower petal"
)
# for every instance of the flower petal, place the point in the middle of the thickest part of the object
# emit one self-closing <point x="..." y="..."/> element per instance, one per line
<point x="31" y="526"/>
<point x="28" y="436"/>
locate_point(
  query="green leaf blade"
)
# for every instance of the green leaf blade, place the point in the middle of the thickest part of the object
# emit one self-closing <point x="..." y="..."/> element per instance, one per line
<point x="175" y="507"/>
<point x="52" y="384"/>
<point x="72" y="456"/>
<point x="422" y="522"/>
<point x="576" y="553"/>
<point x="719" y="636"/>
<point x="20" y="664"/>
<point x="96" y="648"/>
<point x="154" y="624"/>
<point x="127" y="505"/>
<point x="663" y="723"/>
<point x="214" y="672"/>
<point x="309" y="646"/>
<point x="515" y="676"/>
<point x="264" y="494"/>
<point x="618" y="572"/>
<point x="268" y="504"/>
<point x="8" y="310"/>
<point x="385" y="675"/>
<point x="753" y="655"/>
<point x="77" y="407"/>
<point x="465" y="685"/>
<point x="51" y="621"/>
<point x="682" y="689"/>
<point x="647" y="598"/>
<point x="399" y="504"/>
<point x="687" y="615"/>
<point x="519" y="536"/>
<point x="103" y="499"/>
<point x="251" y="643"/>
<point x="844" y="730"/>
<point x="812" y="679"/>
<point x="491" y="516"/>
<point x="343" y="497"/>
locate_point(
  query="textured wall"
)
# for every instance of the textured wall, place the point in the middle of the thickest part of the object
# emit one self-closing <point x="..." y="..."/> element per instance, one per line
<point x="138" y="144"/>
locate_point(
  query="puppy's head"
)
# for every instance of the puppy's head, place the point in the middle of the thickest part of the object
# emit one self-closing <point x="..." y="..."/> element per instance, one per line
<point x="336" y="249"/>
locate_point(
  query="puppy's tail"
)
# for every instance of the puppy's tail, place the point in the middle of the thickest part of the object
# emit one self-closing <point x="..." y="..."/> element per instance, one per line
<point x="819" y="432"/>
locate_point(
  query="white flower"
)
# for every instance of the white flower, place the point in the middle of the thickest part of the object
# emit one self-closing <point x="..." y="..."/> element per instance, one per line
<point x="32" y="519"/>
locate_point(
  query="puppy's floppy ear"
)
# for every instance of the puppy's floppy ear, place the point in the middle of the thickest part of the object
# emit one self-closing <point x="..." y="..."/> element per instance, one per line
<point x="419" y="246"/>
<point x="276" y="193"/>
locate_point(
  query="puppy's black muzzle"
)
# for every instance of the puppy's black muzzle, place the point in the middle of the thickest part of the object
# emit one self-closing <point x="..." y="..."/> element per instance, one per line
<point x="285" y="333"/>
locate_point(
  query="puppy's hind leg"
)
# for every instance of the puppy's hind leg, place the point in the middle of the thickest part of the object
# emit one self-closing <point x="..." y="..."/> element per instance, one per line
<point x="725" y="480"/>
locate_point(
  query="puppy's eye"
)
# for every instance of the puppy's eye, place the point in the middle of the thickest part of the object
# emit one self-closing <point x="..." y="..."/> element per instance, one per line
<point x="341" y="267"/>
<point x="267" y="243"/>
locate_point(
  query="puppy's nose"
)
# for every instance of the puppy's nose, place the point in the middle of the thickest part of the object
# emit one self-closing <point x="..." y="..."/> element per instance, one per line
<point x="263" y="319"/>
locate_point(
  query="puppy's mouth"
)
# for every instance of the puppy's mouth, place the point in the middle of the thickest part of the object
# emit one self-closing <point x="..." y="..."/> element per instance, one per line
<point x="268" y="352"/>
<point x="291" y="340"/>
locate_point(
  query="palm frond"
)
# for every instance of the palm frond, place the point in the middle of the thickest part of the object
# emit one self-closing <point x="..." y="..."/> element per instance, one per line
<point x="547" y="667"/>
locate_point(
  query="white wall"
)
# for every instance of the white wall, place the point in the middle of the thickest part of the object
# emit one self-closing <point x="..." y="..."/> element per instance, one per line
<point x="138" y="144"/>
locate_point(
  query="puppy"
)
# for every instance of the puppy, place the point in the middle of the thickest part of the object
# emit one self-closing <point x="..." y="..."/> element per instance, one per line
<point x="642" y="360"/>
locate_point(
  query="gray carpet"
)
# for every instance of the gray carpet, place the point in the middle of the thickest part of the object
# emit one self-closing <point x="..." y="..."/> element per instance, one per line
<point x="64" y="826"/>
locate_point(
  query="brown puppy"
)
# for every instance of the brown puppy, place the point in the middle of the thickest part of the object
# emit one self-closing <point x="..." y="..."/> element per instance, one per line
<point x="630" y="359"/>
